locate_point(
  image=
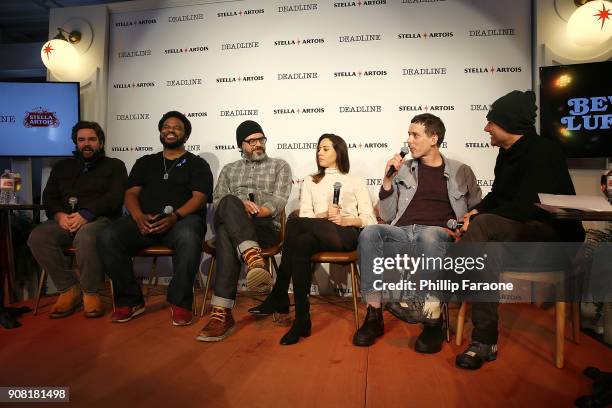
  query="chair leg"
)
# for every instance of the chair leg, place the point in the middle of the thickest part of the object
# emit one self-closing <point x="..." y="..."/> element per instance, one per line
<point x="460" y="324"/>
<point x="41" y="282"/>
<point x="208" y="279"/>
<point x="152" y="274"/>
<point x="576" y="321"/>
<point x="560" y="333"/>
<point x="112" y="292"/>
<point x="446" y="319"/>
<point x="354" y="288"/>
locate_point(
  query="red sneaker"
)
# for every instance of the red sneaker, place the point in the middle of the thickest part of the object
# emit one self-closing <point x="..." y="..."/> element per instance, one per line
<point x="124" y="314"/>
<point x="181" y="316"/>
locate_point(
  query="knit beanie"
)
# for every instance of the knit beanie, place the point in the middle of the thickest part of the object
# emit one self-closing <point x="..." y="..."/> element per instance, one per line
<point x="515" y="112"/>
<point x="246" y="129"/>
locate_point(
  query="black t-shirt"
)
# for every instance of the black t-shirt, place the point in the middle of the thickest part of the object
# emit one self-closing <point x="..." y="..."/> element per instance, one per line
<point x="186" y="174"/>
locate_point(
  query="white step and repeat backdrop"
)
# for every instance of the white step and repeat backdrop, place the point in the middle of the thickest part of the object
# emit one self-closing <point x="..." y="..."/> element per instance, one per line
<point x="360" y="69"/>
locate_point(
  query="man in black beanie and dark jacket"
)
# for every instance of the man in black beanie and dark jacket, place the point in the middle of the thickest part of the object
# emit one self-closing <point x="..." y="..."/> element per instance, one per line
<point x="526" y="165"/>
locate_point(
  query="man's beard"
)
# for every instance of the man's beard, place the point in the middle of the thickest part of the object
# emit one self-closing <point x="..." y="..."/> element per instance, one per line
<point x="255" y="156"/>
<point x="97" y="153"/>
<point x="177" y="143"/>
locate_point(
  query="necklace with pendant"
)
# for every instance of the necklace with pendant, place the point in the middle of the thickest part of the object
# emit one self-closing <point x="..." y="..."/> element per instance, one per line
<point x="167" y="171"/>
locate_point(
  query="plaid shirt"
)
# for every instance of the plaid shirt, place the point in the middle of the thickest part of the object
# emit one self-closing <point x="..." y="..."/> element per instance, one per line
<point x="269" y="180"/>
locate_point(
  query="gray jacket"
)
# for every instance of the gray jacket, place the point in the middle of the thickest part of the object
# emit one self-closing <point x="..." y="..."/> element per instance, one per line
<point x="463" y="191"/>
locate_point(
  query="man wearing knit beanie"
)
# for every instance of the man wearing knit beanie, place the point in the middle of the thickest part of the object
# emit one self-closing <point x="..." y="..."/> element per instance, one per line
<point x="249" y="198"/>
<point x="526" y="165"/>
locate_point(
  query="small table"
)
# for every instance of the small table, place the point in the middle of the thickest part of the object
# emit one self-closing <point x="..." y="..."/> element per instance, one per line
<point x="570" y="214"/>
<point x="7" y="265"/>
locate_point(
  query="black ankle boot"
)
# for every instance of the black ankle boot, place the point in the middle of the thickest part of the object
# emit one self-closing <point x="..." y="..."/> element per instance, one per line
<point x="373" y="326"/>
<point x="301" y="328"/>
<point x="431" y="338"/>
<point x="271" y="305"/>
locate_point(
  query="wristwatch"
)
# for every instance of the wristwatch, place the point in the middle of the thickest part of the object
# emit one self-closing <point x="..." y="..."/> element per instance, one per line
<point x="178" y="215"/>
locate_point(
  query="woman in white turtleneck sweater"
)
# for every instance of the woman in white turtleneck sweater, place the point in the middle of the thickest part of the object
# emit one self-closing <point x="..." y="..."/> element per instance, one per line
<point x="321" y="226"/>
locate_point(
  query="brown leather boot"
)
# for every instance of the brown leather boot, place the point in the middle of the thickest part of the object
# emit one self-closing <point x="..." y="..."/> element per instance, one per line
<point x="92" y="305"/>
<point x="67" y="303"/>
<point x="220" y="325"/>
<point x="258" y="278"/>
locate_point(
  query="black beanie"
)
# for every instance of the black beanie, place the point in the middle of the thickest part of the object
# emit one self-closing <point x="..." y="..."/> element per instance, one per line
<point x="246" y="129"/>
<point x="179" y="116"/>
<point x="515" y="112"/>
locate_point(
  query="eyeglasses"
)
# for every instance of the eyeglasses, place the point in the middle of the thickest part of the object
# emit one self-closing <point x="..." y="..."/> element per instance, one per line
<point x="176" y="128"/>
<point x="253" y="142"/>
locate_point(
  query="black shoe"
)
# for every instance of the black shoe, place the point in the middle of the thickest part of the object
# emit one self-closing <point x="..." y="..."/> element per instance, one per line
<point x="412" y="311"/>
<point x="431" y="338"/>
<point x="271" y="306"/>
<point x="476" y="354"/>
<point x="373" y="326"/>
<point x="300" y="328"/>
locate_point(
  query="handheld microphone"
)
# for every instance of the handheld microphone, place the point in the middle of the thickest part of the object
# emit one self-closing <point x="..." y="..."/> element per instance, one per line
<point x="252" y="199"/>
<point x="453" y="224"/>
<point x="73" y="202"/>
<point x="402" y="153"/>
<point x="167" y="211"/>
<point x="336" y="199"/>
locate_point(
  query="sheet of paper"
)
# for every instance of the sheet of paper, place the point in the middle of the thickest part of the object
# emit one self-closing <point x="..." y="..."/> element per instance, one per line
<point x="579" y="202"/>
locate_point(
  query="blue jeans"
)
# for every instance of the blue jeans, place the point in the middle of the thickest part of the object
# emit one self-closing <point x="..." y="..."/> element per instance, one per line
<point x="387" y="241"/>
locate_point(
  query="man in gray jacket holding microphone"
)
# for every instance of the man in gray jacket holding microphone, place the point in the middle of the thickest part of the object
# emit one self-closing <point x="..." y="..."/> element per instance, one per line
<point x="416" y="202"/>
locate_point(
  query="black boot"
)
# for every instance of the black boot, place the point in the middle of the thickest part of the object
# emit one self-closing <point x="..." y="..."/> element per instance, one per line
<point x="271" y="305"/>
<point x="431" y="338"/>
<point x="373" y="326"/>
<point x="278" y="299"/>
<point x="301" y="327"/>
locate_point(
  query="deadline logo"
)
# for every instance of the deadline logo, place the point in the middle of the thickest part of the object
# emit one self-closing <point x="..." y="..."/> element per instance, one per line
<point x="40" y="117"/>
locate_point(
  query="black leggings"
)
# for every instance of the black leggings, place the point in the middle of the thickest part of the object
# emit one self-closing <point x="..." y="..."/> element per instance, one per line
<point x="303" y="238"/>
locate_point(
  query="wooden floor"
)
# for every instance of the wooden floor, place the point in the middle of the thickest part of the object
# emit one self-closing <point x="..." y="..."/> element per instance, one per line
<point x="149" y="363"/>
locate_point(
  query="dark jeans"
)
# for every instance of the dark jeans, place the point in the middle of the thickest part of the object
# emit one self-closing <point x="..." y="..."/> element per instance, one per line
<point x="493" y="228"/>
<point x="118" y="243"/>
<point x="235" y="232"/>
<point x="303" y="238"/>
<point x="48" y="242"/>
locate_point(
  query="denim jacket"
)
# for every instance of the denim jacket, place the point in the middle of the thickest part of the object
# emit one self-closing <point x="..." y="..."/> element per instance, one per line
<point x="463" y="191"/>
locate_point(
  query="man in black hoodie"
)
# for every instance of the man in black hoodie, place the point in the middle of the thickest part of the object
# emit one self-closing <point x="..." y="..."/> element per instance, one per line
<point x="81" y="197"/>
<point x="526" y="165"/>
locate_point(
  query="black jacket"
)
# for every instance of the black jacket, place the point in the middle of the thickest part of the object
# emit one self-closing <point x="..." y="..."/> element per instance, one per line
<point x="532" y="165"/>
<point x="99" y="189"/>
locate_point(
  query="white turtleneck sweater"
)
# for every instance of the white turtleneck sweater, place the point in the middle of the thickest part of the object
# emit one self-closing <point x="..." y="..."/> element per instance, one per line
<point x="355" y="200"/>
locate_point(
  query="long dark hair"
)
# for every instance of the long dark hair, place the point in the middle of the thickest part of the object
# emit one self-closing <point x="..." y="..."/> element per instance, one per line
<point x="342" y="156"/>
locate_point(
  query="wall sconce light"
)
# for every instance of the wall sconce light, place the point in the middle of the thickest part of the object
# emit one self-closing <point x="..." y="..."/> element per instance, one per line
<point x="58" y="54"/>
<point x="61" y="55"/>
<point x="591" y="23"/>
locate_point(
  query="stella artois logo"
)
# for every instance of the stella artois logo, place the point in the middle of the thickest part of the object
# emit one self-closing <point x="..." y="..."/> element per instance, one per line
<point x="40" y="117"/>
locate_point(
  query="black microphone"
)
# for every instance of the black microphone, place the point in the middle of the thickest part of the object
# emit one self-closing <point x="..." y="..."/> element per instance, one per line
<point x="337" y="186"/>
<point x="73" y="202"/>
<point x="252" y="199"/>
<point x="167" y="211"/>
<point x="403" y="153"/>
<point x="453" y="224"/>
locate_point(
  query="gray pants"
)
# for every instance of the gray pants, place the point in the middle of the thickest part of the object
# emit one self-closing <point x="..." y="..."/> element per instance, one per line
<point x="48" y="242"/>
